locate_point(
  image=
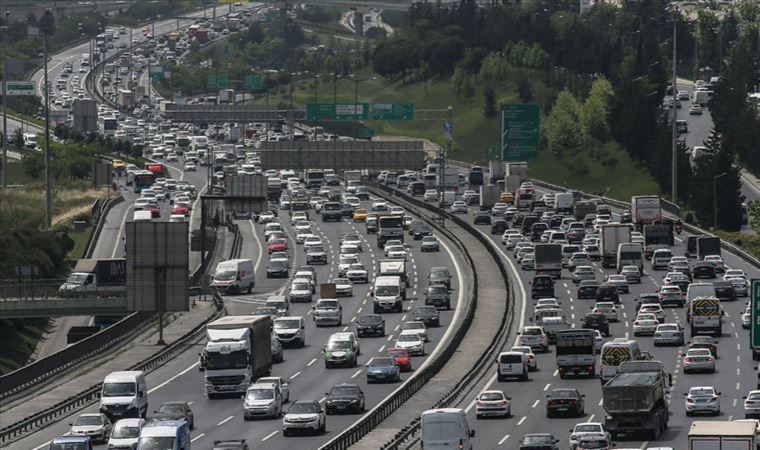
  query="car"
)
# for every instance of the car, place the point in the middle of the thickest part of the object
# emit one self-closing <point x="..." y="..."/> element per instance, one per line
<point x="413" y="341"/>
<point x="344" y="398"/>
<point x="459" y="207"/>
<point x="608" y="309"/>
<point x="653" y="308"/>
<point x="724" y="290"/>
<point x="587" y="289"/>
<point x="645" y="324"/>
<point x="539" y="441"/>
<point x="532" y="360"/>
<point x="370" y="324"/>
<point x="668" y="334"/>
<point x="395" y="251"/>
<point x="344" y="263"/>
<point x="300" y="291"/>
<point x="417" y="326"/>
<point x="578" y="259"/>
<point x="535" y="338"/>
<point x="586" y="430"/>
<point x="438" y="295"/>
<point x="482" y="218"/>
<point x="746" y="318"/>
<point x="316" y="254"/>
<point x="702" y="399"/>
<point x="439" y="275"/>
<point x="360" y="215"/>
<point x="631" y="273"/>
<point x="528" y="261"/>
<point x="492" y="403"/>
<point x="384" y="368"/>
<point x="619" y="282"/>
<point x="352" y="239"/>
<point x="278" y="268"/>
<point x="400" y="357"/>
<point x="276" y="244"/>
<point x="327" y="311"/>
<point x="583" y="273"/>
<point x="304" y="416"/>
<point x="95" y="426"/>
<point x="190" y="166"/>
<point x="598" y="322"/>
<point x="498" y="226"/>
<point x="428" y="315"/>
<point x="752" y="404"/>
<point x="566" y="401"/>
<point x="698" y="360"/>
<point x="125" y="433"/>
<point x="429" y="244"/>
<point x="418" y="229"/>
<point x="262" y="400"/>
<point x="356" y="273"/>
<point x="717" y="261"/>
<point x="672" y="295"/>
<point x="175" y="411"/>
<point x="740" y="285"/>
<point x="706" y="342"/>
<point x="343" y="287"/>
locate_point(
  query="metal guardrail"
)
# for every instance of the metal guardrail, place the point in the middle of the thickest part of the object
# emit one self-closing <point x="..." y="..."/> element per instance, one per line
<point x="100" y="215"/>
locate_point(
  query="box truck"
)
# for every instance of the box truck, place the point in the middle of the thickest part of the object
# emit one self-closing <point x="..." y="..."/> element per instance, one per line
<point x="612" y="236"/>
<point x="645" y="210"/>
<point x="96" y="278"/>
<point x="722" y="435"/>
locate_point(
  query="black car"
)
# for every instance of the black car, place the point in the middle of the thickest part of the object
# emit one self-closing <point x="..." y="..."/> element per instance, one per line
<point x="724" y="290"/>
<point x="587" y="289"/>
<point x="344" y="398"/>
<point x="555" y="222"/>
<point x="597" y="321"/>
<point x="527" y="223"/>
<point x="420" y="229"/>
<point x="438" y="295"/>
<point x="231" y="444"/>
<point x="428" y="315"/>
<point x="607" y="293"/>
<point x="278" y="268"/>
<point x="347" y="211"/>
<point x="499" y="226"/>
<point x="482" y="218"/>
<point x="175" y="411"/>
<point x="536" y="230"/>
<point x="565" y="402"/>
<point x="703" y="271"/>
<point x="542" y="286"/>
<point x="539" y="441"/>
<point x="370" y="324"/>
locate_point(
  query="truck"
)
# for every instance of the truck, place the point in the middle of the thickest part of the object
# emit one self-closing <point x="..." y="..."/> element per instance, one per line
<point x="563" y="202"/>
<point x="226" y="96"/>
<point x="496" y="171"/>
<point x="657" y="236"/>
<point x="238" y="351"/>
<point x="274" y="188"/>
<point x="701" y="98"/>
<point x="519" y="169"/>
<point x="612" y="236"/>
<point x="576" y="352"/>
<point x="722" y="435"/>
<point x="389" y="226"/>
<point x="549" y="260"/>
<point x="645" y="210"/>
<point x="96" y="278"/>
<point x="475" y="177"/>
<point x="583" y="208"/>
<point x="707" y="246"/>
<point x="451" y="179"/>
<point x="635" y="400"/>
<point x="489" y="196"/>
<point x="353" y="179"/>
<point x="512" y="183"/>
<point x="705" y="315"/>
<point x="393" y="267"/>
<point x="314" y="178"/>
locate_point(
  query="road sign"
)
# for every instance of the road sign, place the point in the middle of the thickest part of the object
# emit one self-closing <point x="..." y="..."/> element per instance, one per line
<point x="392" y="111"/>
<point x="218" y="81"/>
<point x="19" y="87"/>
<point x="754" y="328"/>
<point x="253" y="83"/>
<point x="317" y="112"/>
<point x="156" y="72"/>
<point x="519" y="132"/>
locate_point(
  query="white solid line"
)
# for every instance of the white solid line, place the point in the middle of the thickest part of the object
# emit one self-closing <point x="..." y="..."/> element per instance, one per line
<point x="150" y="391"/>
<point x="295" y="375"/>
<point x="356" y="374"/>
<point x="269" y="435"/>
<point x="258" y="243"/>
<point x="503" y="439"/>
<point x="225" y="421"/>
<point x="197" y="437"/>
<point x="311" y="362"/>
<point x="42" y="446"/>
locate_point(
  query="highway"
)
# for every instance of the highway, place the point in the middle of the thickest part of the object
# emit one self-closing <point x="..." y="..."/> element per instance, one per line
<point x="180" y="379"/>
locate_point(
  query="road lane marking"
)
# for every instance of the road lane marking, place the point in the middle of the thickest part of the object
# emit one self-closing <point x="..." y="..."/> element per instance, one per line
<point x="382" y="347"/>
<point x="522" y="420"/>
<point x="356" y="374"/>
<point x="504" y="439"/>
<point x="150" y="391"/>
<point x="225" y="421"/>
<point x="311" y="362"/>
<point x="591" y="417"/>
<point x="600" y="402"/>
<point x="269" y="435"/>
<point x="536" y="403"/>
<point x="295" y="375"/>
<point x="556" y="372"/>
<point x="197" y="437"/>
<point x="546" y="388"/>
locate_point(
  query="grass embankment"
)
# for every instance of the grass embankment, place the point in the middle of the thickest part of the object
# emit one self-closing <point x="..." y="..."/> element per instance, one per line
<point x="749" y="242"/>
<point x="474" y="133"/>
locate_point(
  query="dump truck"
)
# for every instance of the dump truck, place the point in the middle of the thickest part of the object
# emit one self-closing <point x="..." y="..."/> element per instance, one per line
<point x="238" y="351"/>
<point x="549" y="260"/>
<point x="722" y="435"/>
<point x="96" y="278"/>
<point x="489" y="196"/>
<point x="634" y="400"/>
<point x="612" y="236"/>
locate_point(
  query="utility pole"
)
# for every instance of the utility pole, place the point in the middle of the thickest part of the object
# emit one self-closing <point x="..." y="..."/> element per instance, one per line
<point x="48" y="183"/>
<point x="674" y="132"/>
<point x="5" y="107"/>
<point x="442" y="167"/>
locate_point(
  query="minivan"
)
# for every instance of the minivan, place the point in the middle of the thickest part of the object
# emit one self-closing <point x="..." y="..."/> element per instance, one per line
<point x="512" y="365"/>
<point x="445" y="428"/>
<point x="700" y="290"/>
<point x="166" y="435"/>
<point x="124" y="394"/>
<point x="234" y="275"/>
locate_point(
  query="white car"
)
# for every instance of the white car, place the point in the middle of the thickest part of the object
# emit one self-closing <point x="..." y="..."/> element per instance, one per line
<point x="668" y="334"/>
<point x="301" y="237"/>
<point x="417" y="326"/>
<point x="266" y="217"/>
<point x="535" y="338"/>
<point x="746" y="318"/>
<point x="412" y="341"/>
<point x="752" y="404"/>
<point x="532" y="360"/>
<point x="96" y="426"/>
<point x="343" y="287"/>
<point x="588" y="429"/>
<point x="304" y="416"/>
<point x="492" y="403"/>
<point x="379" y="206"/>
<point x="645" y="324"/>
<point x="356" y="273"/>
<point x="430" y="195"/>
<point x="608" y="309"/>
<point x="352" y="239"/>
<point x="459" y="207"/>
<point x="653" y="308"/>
<point x="125" y="433"/>
<point x="716" y="261"/>
<point x="512" y="240"/>
<point x="702" y="399"/>
<point x="303" y="226"/>
<point x="396" y="251"/>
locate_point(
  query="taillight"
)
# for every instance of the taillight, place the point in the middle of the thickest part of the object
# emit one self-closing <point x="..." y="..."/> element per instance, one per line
<point x="636" y="322"/>
<point x="689" y="400"/>
<point x="687" y="359"/>
<point x="710" y="358"/>
<point x="658" y="334"/>
<point x="461" y="443"/>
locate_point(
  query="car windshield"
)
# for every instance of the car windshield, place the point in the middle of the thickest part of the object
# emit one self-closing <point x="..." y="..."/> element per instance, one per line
<point x="537" y="440"/>
<point x="531" y="331"/>
<point x="411" y="337"/>
<point x="426" y="310"/>
<point x="441" y="273"/>
<point x="338" y="345"/>
<point x="316" y="249"/>
<point x="300" y="287"/>
<point x="330" y="304"/>
<point x="303" y="408"/>
<point x="564" y="393"/>
<point x="588" y="429"/>
<point x="259" y="394"/>
<point x="342" y="281"/>
<point x="381" y="362"/>
<point x="156" y="443"/>
<point x="701" y="391"/>
<point x="437" y="289"/>
<point x="88" y="421"/>
<point x="286" y="324"/>
<point x="226" y="275"/>
<point x="667" y="328"/>
<point x="119" y="390"/>
<point x="171" y="408"/>
<point x="491" y="396"/>
<point x="125" y="432"/>
<point x="342" y="391"/>
<point x="266" y="310"/>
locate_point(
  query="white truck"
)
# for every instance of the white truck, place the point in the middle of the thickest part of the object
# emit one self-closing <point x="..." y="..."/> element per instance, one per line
<point x="226" y="96"/>
<point x="238" y="351"/>
<point x="519" y="169"/>
<point x="489" y="196"/>
<point x="393" y="267"/>
<point x="564" y="202"/>
<point x="645" y="209"/>
<point x="576" y="352"/>
<point x="612" y="236"/>
<point x="722" y="435"/>
<point x="96" y="278"/>
<point x="496" y="171"/>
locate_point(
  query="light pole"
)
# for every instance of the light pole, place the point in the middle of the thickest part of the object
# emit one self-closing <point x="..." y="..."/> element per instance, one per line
<point x="5" y="109"/>
<point x="674" y="132"/>
<point x="316" y="99"/>
<point x="715" y="199"/>
<point x="335" y="88"/>
<point x="356" y="99"/>
<point x="45" y="28"/>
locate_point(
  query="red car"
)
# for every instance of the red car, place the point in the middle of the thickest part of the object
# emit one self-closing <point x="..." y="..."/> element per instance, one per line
<point x="155" y="211"/>
<point x="178" y="209"/>
<point x="277" y="245"/>
<point x="401" y="358"/>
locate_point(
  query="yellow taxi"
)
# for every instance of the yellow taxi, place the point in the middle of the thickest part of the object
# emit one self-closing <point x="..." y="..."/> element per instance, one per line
<point x="360" y="215"/>
<point x="119" y="165"/>
<point x="506" y="197"/>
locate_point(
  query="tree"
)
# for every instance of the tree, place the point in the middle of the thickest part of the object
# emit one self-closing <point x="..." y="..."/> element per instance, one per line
<point x="18" y="138"/>
<point x="561" y="126"/>
<point x="489" y="100"/>
<point x="596" y="110"/>
<point x="47" y="23"/>
<point x="524" y="89"/>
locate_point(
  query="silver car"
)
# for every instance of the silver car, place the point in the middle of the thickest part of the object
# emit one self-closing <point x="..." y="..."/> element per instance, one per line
<point x="492" y="403"/>
<point x="262" y="400"/>
<point x="698" y="360"/>
<point x="93" y="425"/>
<point x="668" y="334"/>
<point x="702" y="399"/>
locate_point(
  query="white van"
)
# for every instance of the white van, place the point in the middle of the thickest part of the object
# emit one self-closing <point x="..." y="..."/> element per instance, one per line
<point x="177" y="218"/>
<point x="389" y="293"/>
<point x="445" y="428"/>
<point x="630" y="254"/>
<point x="700" y="290"/>
<point x="124" y="394"/>
<point x="235" y="275"/>
<point x="563" y="202"/>
<point x="142" y="216"/>
<point x="512" y="365"/>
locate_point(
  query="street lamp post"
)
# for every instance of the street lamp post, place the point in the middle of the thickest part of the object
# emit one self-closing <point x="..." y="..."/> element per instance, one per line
<point x="48" y="183"/>
<point x="674" y="132"/>
<point x="316" y="99"/>
<point x="715" y="199"/>
<point x="5" y="109"/>
<point x="335" y="88"/>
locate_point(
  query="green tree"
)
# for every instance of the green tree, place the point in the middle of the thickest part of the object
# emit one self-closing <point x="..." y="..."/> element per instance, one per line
<point x="561" y="125"/>
<point x="489" y="102"/>
<point x="524" y="88"/>
<point x="595" y="111"/>
<point x="33" y="164"/>
<point x="18" y="138"/>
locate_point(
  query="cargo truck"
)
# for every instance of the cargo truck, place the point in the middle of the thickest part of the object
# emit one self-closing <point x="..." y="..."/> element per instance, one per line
<point x="612" y="236"/>
<point x="475" y="177"/>
<point x="489" y="196"/>
<point x="645" y="210"/>
<point x="576" y="352"/>
<point x="634" y="400"/>
<point x="393" y="267"/>
<point x="548" y="260"/>
<point x="389" y="227"/>
<point x="96" y="278"/>
<point x="496" y="171"/>
<point x="657" y="236"/>
<point x="707" y="246"/>
<point x="722" y="435"/>
<point x="582" y="209"/>
<point x="238" y="351"/>
<point x="518" y="169"/>
<point x="512" y="183"/>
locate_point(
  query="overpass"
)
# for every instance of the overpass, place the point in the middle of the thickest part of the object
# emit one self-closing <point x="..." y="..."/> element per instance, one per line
<point x="58" y="307"/>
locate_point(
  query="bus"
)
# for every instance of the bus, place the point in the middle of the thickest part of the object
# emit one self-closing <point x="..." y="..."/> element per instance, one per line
<point x="142" y="179"/>
<point x="616" y="351"/>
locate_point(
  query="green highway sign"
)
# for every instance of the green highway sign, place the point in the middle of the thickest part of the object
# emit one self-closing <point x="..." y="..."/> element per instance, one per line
<point x="253" y="83"/>
<point x="754" y="329"/>
<point x="218" y="81"/>
<point x="392" y="111"/>
<point x="325" y="112"/>
<point x="19" y="87"/>
<point x="519" y="132"/>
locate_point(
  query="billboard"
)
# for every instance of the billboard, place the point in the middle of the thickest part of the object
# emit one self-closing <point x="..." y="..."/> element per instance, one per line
<point x="254" y="186"/>
<point x="157" y="266"/>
